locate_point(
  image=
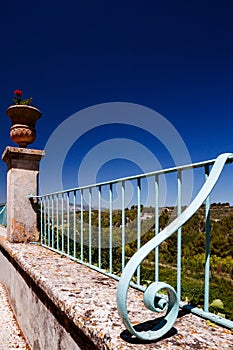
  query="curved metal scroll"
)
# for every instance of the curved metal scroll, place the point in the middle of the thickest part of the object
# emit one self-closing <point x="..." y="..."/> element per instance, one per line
<point x="151" y="298"/>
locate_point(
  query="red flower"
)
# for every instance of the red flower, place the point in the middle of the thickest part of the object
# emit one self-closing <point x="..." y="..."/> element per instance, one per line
<point x="18" y="93"/>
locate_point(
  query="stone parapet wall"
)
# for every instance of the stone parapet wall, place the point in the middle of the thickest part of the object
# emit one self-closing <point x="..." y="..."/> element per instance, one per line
<point x="61" y="304"/>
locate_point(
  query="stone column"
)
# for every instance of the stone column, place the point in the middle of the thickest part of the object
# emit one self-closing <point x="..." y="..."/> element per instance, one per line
<point x="22" y="180"/>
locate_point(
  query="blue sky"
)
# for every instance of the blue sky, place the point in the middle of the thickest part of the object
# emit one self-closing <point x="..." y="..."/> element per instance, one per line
<point x="175" y="57"/>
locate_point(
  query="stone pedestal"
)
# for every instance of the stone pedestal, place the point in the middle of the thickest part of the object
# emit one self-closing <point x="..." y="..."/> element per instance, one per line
<point x="22" y="180"/>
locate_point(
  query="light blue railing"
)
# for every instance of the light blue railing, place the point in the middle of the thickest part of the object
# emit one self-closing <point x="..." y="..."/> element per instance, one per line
<point x="3" y="213"/>
<point x="92" y="225"/>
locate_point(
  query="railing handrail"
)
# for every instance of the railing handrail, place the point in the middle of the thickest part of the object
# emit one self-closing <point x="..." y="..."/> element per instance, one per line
<point x="134" y="177"/>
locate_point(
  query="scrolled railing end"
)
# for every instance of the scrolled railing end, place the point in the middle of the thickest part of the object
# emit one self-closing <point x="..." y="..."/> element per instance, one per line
<point x="156" y="302"/>
<point x="152" y="299"/>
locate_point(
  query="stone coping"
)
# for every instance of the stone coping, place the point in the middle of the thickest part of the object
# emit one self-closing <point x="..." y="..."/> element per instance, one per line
<point x="85" y="302"/>
<point x="20" y="152"/>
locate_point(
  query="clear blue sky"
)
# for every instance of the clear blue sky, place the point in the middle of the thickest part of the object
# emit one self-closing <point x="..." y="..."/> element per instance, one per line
<point x="175" y="57"/>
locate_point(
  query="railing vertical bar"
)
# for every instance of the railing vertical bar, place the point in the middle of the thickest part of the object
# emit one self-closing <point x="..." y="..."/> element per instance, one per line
<point x="45" y="218"/>
<point x="110" y="228"/>
<point x="68" y="222"/>
<point x="156" y="226"/>
<point x="207" y="257"/>
<point x="90" y="228"/>
<point x="81" y="224"/>
<point x="123" y="224"/>
<point x="41" y="220"/>
<point x="138" y="226"/>
<point x="57" y="220"/>
<point x="179" y="233"/>
<point x="99" y="226"/>
<point x="52" y="198"/>
<point x="74" y="226"/>
<point x="62" y="222"/>
<point x="48" y="205"/>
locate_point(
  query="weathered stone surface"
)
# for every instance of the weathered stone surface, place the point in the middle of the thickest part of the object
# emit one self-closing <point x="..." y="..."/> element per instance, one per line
<point x="42" y="329"/>
<point x="88" y="299"/>
<point x="22" y="158"/>
<point x="22" y="180"/>
<point x="3" y="231"/>
<point x="11" y="336"/>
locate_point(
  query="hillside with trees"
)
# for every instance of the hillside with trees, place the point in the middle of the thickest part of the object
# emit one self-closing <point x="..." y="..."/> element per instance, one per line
<point x="193" y="247"/>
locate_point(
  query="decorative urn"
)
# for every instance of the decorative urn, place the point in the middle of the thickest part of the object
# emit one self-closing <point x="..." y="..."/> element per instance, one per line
<point x="23" y="118"/>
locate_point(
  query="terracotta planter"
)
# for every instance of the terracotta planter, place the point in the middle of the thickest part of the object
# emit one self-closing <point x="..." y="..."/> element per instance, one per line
<point x="23" y="120"/>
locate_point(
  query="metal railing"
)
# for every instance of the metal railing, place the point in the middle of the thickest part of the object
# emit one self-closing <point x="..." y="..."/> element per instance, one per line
<point x="93" y="225"/>
<point x="3" y="215"/>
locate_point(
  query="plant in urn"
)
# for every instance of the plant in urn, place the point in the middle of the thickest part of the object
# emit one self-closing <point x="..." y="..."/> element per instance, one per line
<point x="23" y="117"/>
